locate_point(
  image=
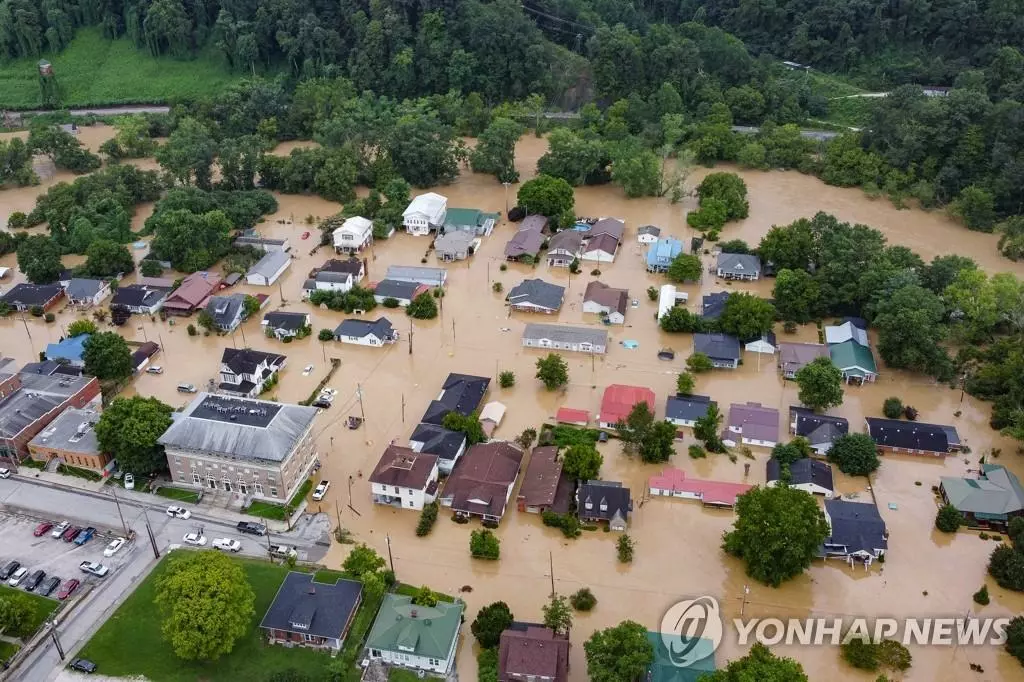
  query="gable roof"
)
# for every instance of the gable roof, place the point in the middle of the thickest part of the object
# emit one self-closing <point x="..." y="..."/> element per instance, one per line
<point x="351" y="266"/>
<point x="845" y="332"/>
<point x="270" y="264"/>
<point x="392" y="288"/>
<point x="543" y="473"/>
<point x="426" y="631"/>
<point x="712" y="305"/>
<point x="793" y="356"/>
<point x="738" y="263"/>
<point x="895" y="433"/>
<point x="429" y="204"/>
<point x="602" y="242"/>
<point x="537" y="292"/>
<point x="613" y="494"/>
<point x="432" y="277"/>
<point x="404" y="467"/>
<point x="454" y="242"/>
<point x="569" y="415"/>
<point x="711" y="492"/>
<point x="566" y="240"/>
<point x="70" y="349"/>
<point x="225" y="310"/>
<point x="609" y="297"/>
<point x="612" y="227"/>
<point x="535" y="222"/>
<point x="618" y="401"/>
<point x="359" y="328"/>
<point x="857" y="526"/>
<point x="324" y="609"/>
<point x="356" y="224"/>
<point x="479" y="482"/>
<point x="460" y="393"/>
<point x="649" y="229"/>
<point x="247" y="360"/>
<point x="562" y="333"/>
<point x="530" y="651"/>
<point x="281" y="319"/>
<point x="755" y="420"/>
<point x="193" y="290"/>
<point x="996" y="492"/>
<point x="31" y="294"/>
<point x="717" y="346"/>
<point x="437" y="440"/>
<point x="850" y="355"/>
<point x="664" y="250"/>
<point x="135" y="296"/>
<point x="79" y="288"/>
<point x="802" y="472"/>
<point x="817" y="428"/>
<point x="688" y="407"/>
<point x="524" y="243"/>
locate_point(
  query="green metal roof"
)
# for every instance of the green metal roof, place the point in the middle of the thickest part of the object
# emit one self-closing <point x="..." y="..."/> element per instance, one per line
<point x="662" y="669"/>
<point x="461" y="217"/>
<point x="850" y="357"/>
<point x="403" y="627"/>
<point x="994" y="495"/>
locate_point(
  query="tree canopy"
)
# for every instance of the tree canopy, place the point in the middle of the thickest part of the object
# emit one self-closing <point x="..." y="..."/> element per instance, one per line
<point x="553" y="371"/>
<point x="642" y="434"/>
<point x="582" y="461"/>
<point x="821" y="384"/>
<point x="129" y="428"/>
<point x="107" y="356"/>
<point x="759" y="664"/>
<point x="618" y="654"/>
<point x="39" y="259"/>
<point x="551" y="197"/>
<point x="855" y="454"/>
<point x="490" y="622"/>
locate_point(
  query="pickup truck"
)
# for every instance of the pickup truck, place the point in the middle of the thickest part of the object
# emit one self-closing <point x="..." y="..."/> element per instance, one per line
<point x="283" y="552"/>
<point x="94" y="568"/>
<point x="321" y="490"/>
<point x="251" y="527"/>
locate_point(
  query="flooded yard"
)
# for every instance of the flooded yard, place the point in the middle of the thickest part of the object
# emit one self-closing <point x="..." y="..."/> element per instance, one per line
<point x="677" y="542"/>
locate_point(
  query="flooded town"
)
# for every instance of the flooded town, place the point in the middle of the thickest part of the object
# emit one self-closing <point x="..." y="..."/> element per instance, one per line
<point x="384" y="389"/>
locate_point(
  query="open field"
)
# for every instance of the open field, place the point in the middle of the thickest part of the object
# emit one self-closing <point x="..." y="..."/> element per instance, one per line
<point x="42" y="607"/>
<point x="93" y="71"/>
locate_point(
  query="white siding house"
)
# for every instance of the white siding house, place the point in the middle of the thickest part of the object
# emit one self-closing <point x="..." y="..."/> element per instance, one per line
<point x="353" y="235"/>
<point x="425" y="214"/>
<point x="267" y="269"/>
<point x="669" y="298"/>
<point x="404" y="478"/>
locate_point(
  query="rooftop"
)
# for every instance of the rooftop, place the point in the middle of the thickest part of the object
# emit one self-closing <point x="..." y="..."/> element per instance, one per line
<point x="404" y="467"/>
<point x="393" y="288"/>
<point x="609" y="297"/>
<point x="80" y="288"/>
<point x="524" y="243"/>
<point x="712" y="305"/>
<point x="429" y="204"/>
<point x="437" y="440"/>
<point x="72" y="431"/>
<point x="193" y="290"/>
<point x="248" y="361"/>
<point x="421" y="274"/>
<point x="269" y="265"/>
<point x="845" y="332"/>
<point x="70" y="349"/>
<point x="566" y="334"/>
<point x="851" y="355"/>
<point x="896" y="433"/>
<point x="619" y="399"/>
<point x="307" y="607"/>
<point x="480" y="481"/>
<point x="135" y="295"/>
<point x="793" y="356"/>
<point x="612" y="227"/>
<point x="537" y="292"/>
<point x="566" y="240"/>
<point x="755" y="420"/>
<point x="569" y="415"/>
<point x="687" y="407"/>
<point x="285" y="320"/>
<point x="460" y="393"/>
<point x="719" y="493"/>
<point x="359" y="328"/>
<point x="611" y="494"/>
<point x="531" y="651"/>
<point x="543" y="473"/>
<point x="403" y="627"/>
<point x="802" y="472"/>
<point x="857" y="526"/>
<point x="738" y="263"/>
<point x="817" y="428"/>
<point x="31" y="294"/>
<point x="454" y="241"/>
<point x="995" y="493"/>
<point x="717" y="346"/>
<point x="39" y="395"/>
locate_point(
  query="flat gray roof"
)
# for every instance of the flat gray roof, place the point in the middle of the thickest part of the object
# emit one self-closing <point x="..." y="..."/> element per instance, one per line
<point x="38" y="395"/>
<point x="72" y="430"/>
<point x="566" y="334"/>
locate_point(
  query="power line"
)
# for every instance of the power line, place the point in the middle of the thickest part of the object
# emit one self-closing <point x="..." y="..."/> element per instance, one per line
<point x="538" y="12"/>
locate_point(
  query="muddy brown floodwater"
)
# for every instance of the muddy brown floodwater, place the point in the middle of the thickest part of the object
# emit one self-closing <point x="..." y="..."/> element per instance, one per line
<point x="677" y="554"/>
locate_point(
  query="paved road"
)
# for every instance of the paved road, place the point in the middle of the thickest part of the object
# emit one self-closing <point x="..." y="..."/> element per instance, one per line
<point x="109" y="111"/>
<point x="48" y="502"/>
<point x="820" y="135"/>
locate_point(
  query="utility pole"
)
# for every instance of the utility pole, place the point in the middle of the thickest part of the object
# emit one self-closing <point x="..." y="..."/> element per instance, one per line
<point x="453" y="332"/>
<point x="323" y="350"/>
<point x="246" y="343"/>
<point x="31" y="343"/>
<point x="142" y="328"/>
<point x="743" y="604"/>
<point x="163" y="348"/>
<point x="410" y="336"/>
<point x="56" y="641"/>
<point x="281" y="291"/>
<point x="506" y="184"/>
<point x="551" y="566"/>
<point x="152" y="538"/>
<point x="391" y="559"/>
<point x="403" y="408"/>
<point x="117" y="502"/>
<point x="337" y="512"/>
<point x="359" y="394"/>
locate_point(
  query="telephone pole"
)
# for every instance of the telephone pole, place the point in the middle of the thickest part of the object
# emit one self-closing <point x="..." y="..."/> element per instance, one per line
<point x="410" y="336"/>
<point x="391" y="559"/>
<point x="453" y="332"/>
<point x="551" y="565"/>
<point x="56" y="641"/>
<point x="117" y="502"/>
<point x="403" y="408"/>
<point x="152" y="538"/>
<point x="359" y="394"/>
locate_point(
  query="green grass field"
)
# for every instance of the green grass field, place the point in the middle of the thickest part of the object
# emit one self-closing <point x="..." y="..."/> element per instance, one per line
<point x="179" y="494"/>
<point x="130" y="642"/>
<point x="7" y="650"/>
<point x="42" y="607"/>
<point x="94" y="72"/>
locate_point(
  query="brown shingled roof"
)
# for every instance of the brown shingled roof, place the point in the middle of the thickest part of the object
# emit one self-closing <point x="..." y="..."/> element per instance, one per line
<point x="403" y="467"/>
<point x="480" y="480"/>
<point x="609" y="297"/>
<point x="528" y="650"/>
<point x="540" y="482"/>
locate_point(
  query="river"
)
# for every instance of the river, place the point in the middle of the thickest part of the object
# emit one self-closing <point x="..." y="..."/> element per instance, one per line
<point x="677" y="542"/>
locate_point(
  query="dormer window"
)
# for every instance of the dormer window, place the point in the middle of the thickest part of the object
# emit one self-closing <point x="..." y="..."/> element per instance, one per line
<point x="604" y="506"/>
<point x="588" y="504"/>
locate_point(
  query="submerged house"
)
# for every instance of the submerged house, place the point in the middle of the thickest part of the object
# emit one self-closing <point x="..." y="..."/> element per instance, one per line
<point x="425" y="214"/>
<point x="991" y="500"/>
<point x="404" y="478"/>
<point x="857" y="531"/>
<point x="607" y="501"/>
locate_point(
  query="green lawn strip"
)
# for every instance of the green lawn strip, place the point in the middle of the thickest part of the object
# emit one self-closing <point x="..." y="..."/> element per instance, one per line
<point x="87" y="474"/>
<point x="42" y="607"/>
<point x="7" y="650"/>
<point x="130" y="642"/>
<point x="179" y="494"/>
<point x="329" y="577"/>
<point x="301" y="493"/>
<point x="93" y="71"/>
<point x="353" y="645"/>
<point x="407" y="590"/>
<point x="401" y="675"/>
<point x="267" y="510"/>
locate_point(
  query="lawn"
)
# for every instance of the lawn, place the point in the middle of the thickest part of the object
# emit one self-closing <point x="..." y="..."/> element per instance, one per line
<point x="94" y="71"/>
<point x="7" y="650"/>
<point x="42" y="607"/>
<point x="87" y="474"/>
<point x="267" y="510"/>
<point x="407" y="590"/>
<point x="400" y="675"/>
<point x="130" y="642"/>
<point x="179" y="494"/>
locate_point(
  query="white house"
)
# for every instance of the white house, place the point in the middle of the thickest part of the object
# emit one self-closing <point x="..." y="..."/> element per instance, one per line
<point x="404" y="478"/>
<point x="810" y="475"/>
<point x="601" y="299"/>
<point x="328" y="281"/>
<point x="648" y="234"/>
<point x="600" y="249"/>
<point x="267" y="269"/>
<point x="752" y="424"/>
<point x="425" y="214"/>
<point x="87" y="293"/>
<point x="431" y="439"/>
<point x="379" y="332"/>
<point x="243" y="371"/>
<point x="564" y="337"/>
<point x="420" y="638"/>
<point x="766" y="344"/>
<point x="353" y="235"/>
<point x="669" y="298"/>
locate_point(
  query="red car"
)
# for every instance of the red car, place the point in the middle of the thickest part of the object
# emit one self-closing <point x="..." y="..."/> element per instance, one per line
<point x="68" y="589"/>
<point x="71" y="533"/>
<point x="305" y="235"/>
<point x="42" y="529"/>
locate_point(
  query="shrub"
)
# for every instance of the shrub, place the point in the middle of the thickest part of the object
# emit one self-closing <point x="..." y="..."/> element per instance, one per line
<point x="789" y="327"/>
<point x="567" y="523"/>
<point x="36" y="311"/>
<point x="697" y="452"/>
<point x="391" y="302"/>
<point x="484" y="544"/>
<point x="652" y="293"/>
<point x="892" y="408"/>
<point x="192" y="330"/>
<point x="49" y="317"/>
<point x="949" y="519"/>
<point x="326" y="335"/>
<point x="428" y="517"/>
<point x="910" y="413"/>
<point x="507" y="379"/>
<point x="624" y="548"/>
<point x="583" y="599"/>
<point x="497" y="287"/>
<point x="595" y="272"/>
<point x="983" y="535"/>
<point x="981" y="596"/>
<point x="503" y="267"/>
<point x="699" y="362"/>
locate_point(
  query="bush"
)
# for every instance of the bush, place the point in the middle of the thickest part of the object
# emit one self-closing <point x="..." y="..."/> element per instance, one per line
<point x="36" y="311"/>
<point x="428" y="517"/>
<point x="652" y="293"/>
<point x="596" y="272"/>
<point x="567" y="523"/>
<point x="326" y="335"/>
<point x="789" y="327"/>
<point x="497" y="287"/>
<point x="503" y="267"/>
<point x="624" y="548"/>
<point x="892" y="408"/>
<point x="484" y="544"/>
<point x="697" y="452"/>
<point x="49" y="317"/>
<point x="981" y="596"/>
<point x="910" y="413"/>
<point x="192" y="331"/>
<point x="507" y="379"/>
<point x="949" y="519"/>
<point x="391" y="302"/>
<point x="583" y="599"/>
<point x="699" y="362"/>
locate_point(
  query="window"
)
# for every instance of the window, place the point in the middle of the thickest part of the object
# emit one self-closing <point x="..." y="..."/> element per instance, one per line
<point x="195" y="478"/>
<point x="309" y="638"/>
<point x="410" y="503"/>
<point x="257" y="489"/>
<point x="588" y="504"/>
<point x="177" y="460"/>
<point x="604" y="506"/>
<point x="273" y="492"/>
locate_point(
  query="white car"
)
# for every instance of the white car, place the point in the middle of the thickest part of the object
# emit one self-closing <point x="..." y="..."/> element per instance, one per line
<point x="194" y="539"/>
<point x="321" y="490"/>
<point x="129" y="482"/>
<point x="17" y="576"/>
<point x="94" y="568"/>
<point x="179" y="512"/>
<point x="155" y="369"/>
<point x="307" y="370"/>
<point x="5" y="473"/>
<point x="59" y="529"/>
<point x="115" y="545"/>
<point x="227" y="544"/>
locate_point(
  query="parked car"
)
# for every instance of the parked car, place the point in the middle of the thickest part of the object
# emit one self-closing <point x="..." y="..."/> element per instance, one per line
<point x="283" y="552"/>
<point x="113" y="547"/>
<point x="5" y="473"/>
<point x="94" y="568"/>
<point x="47" y="588"/>
<point x="186" y="388"/>
<point x="85" y="536"/>
<point x="155" y="369"/>
<point x="129" y="482"/>
<point x="321" y="490"/>
<point x="59" y="529"/>
<point x="68" y="589"/>
<point x="71" y="533"/>
<point x="83" y="665"/>
<point x="42" y="529"/>
<point x="194" y="539"/>
<point x="251" y="528"/>
<point x="9" y="570"/>
<point x="32" y="582"/>
<point x="16" y="577"/>
<point x="178" y="512"/>
<point x="227" y="545"/>
<point x="323" y="404"/>
<point x="305" y="235"/>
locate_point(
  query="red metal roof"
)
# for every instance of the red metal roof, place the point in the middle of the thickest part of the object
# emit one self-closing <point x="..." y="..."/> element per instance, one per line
<point x="568" y="415"/>
<point x="711" y="492"/>
<point x="619" y="399"/>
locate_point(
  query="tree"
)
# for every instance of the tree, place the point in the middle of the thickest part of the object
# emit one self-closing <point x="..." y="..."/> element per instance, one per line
<point x="582" y="462"/>
<point x="507" y="379"/>
<point x="778" y="532"/>
<point x="909" y="323"/>
<point x="618" y="654"/>
<point x="707" y="427"/>
<point x="746" y="316"/>
<point x="709" y="218"/>
<point x="642" y="434"/>
<point x="624" y="548"/>
<point x="423" y="307"/>
<point x="1006" y="565"/>
<point x="324" y="335"/>
<point x="867" y="655"/>
<point x="188" y="154"/>
<point x="79" y="327"/>
<point x="981" y="596"/>
<point x="495" y="150"/>
<point x="557" y="615"/>
<point x="855" y="454"/>
<point x="107" y="356"/>
<point x="526" y="438"/>
<point x="976" y="208"/>
<point x="150" y="268"/>
<point x="362" y="561"/>
<point x="206" y="603"/>
<point x="583" y="599"/>
<point x="490" y="622"/>
<point x="797" y="296"/>
<point x="685" y="383"/>
<point x="425" y="597"/>
<point x="892" y="407"/>
<point x="1015" y="638"/>
<point x="15" y="612"/>
<point x="728" y="188"/>
<point x="105" y="258"/>
<point x="684" y="268"/>
<point x="759" y="664"/>
<point x="129" y="428"/>
<point x="821" y="384"/>
<point x="190" y="241"/>
<point x="790" y="247"/>
<point x="699" y="362"/>
<point x="483" y="544"/>
<point x="551" y="197"/>
<point x="786" y="454"/>
<point x="39" y="259"/>
<point x="636" y="170"/>
<point x="468" y="424"/>
<point x="571" y="157"/>
<point x="553" y="371"/>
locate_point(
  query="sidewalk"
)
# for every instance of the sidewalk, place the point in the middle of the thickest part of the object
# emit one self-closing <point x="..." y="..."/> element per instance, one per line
<point x="106" y="491"/>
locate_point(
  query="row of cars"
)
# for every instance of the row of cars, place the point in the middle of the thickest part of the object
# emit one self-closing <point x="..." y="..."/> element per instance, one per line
<point x="66" y="532"/>
<point x="17" y="575"/>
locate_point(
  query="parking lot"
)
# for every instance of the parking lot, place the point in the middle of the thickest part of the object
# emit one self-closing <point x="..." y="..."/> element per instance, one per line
<point x="53" y="555"/>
